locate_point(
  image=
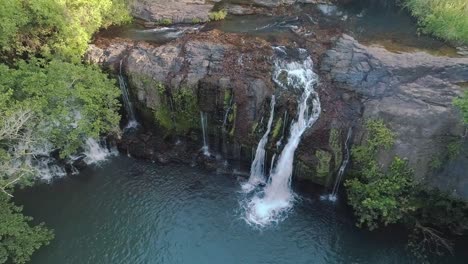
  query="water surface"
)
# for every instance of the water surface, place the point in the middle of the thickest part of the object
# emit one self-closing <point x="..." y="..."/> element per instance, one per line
<point x="130" y="211"/>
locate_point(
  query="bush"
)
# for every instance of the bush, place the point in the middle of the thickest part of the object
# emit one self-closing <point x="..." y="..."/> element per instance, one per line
<point x="165" y="22"/>
<point x="378" y="197"/>
<point x="462" y="104"/>
<point x="447" y="19"/>
<point x="219" y="15"/>
<point x="382" y="198"/>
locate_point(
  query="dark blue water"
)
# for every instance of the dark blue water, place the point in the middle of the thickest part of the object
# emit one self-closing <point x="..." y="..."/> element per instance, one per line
<point x="130" y="211"/>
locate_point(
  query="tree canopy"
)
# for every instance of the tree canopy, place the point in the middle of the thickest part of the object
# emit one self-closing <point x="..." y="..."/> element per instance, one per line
<point x="49" y="101"/>
<point x="18" y="240"/>
<point x="55" y="28"/>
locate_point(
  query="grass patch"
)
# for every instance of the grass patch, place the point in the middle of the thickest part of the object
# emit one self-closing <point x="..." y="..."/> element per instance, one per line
<point x="446" y="19"/>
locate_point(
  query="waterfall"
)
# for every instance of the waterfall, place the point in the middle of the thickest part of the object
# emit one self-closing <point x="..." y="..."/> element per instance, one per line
<point x="273" y="203"/>
<point x="96" y="152"/>
<point x="226" y="115"/>
<point x="204" y="125"/>
<point x="257" y="170"/>
<point x="132" y="123"/>
<point x="333" y="196"/>
<point x="46" y="167"/>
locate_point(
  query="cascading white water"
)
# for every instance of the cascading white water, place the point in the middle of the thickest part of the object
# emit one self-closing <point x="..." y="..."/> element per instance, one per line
<point x="95" y="152"/>
<point x="204" y="125"/>
<point x="132" y="123"/>
<point x="257" y="170"/>
<point x="277" y="197"/>
<point x="333" y="196"/>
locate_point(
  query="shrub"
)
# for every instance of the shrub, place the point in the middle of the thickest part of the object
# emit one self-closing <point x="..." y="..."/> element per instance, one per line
<point x="165" y="22"/>
<point x="378" y="197"/>
<point x="218" y="15"/>
<point x="462" y="104"/>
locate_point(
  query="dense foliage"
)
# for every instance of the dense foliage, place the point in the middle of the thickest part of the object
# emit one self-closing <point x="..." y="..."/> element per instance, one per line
<point x="66" y="102"/>
<point x="50" y="103"/>
<point x="55" y="28"/>
<point x="45" y="106"/>
<point x="378" y="197"/>
<point x="18" y="239"/>
<point x="447" y="19"/>
<point x="381" y="196"/>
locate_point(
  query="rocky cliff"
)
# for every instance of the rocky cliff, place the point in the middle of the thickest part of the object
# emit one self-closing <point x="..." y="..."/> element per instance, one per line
<point x="228" y="76"/>
<point x="413" y="94"/>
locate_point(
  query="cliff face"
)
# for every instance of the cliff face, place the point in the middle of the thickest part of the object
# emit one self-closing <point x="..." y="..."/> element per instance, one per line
<point x="228" y="76"/>
<point x="413" y="94"/>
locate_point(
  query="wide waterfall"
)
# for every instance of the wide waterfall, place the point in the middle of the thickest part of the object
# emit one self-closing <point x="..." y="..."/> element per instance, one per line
<point x="277" y="198"/>
<point x="257" y="170"/>
<point x="132" y="123"/>
<point x="339" y="177"/>
<point x="204" y="125"/>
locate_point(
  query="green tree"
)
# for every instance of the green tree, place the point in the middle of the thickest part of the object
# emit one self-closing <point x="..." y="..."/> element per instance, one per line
<point x="67" y="102"/>
<point x="53" y="28"/>
<point x="18" y="239"/>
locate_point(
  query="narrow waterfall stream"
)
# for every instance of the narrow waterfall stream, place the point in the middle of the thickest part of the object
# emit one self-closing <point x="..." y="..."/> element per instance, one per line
<point x="339" y="177"/>
<point x="272" y="203"/>
<point x="204" y="125"/>
<point x="257" y="170"/>
<point x="132" y="123"/>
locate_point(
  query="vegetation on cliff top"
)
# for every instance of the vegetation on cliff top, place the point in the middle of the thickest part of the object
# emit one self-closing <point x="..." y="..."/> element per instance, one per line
<point x="446" y="19"/>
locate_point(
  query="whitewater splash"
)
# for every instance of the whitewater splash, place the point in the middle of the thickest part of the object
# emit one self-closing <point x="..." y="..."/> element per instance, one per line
<point x="276" y="199"/>
<point x="257" y="170"/>
<point x="47" y="167"/>
<point x="96" y="152"/>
